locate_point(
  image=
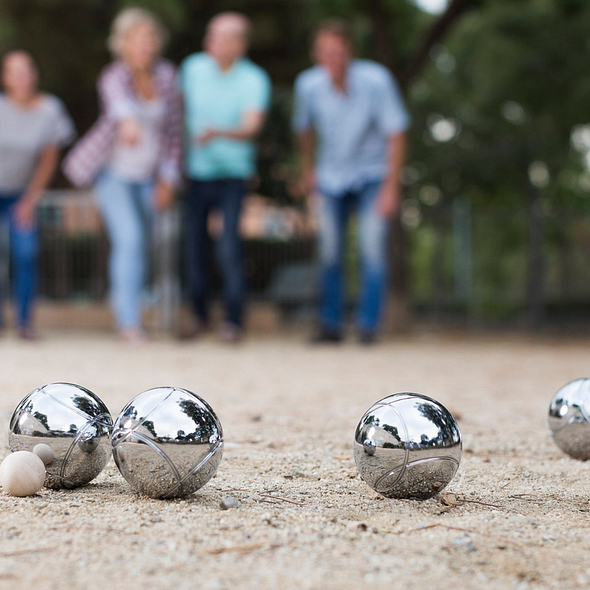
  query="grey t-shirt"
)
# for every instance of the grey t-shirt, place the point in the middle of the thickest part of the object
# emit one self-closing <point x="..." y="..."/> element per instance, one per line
<point x="138" y="162"/>
<point x="24" y="133"/>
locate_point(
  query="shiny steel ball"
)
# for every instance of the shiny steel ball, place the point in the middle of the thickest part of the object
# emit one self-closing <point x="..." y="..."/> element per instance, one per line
<point x="569" y="419"/>
<point x="407" y="446"/>
<point x="167" y="442"/>
<point x="73" y="422"/>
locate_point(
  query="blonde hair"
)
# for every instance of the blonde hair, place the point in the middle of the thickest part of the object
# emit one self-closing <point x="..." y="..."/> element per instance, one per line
<point x="127" y="20"/>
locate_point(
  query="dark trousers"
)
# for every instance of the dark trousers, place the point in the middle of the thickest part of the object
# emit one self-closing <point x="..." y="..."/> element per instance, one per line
<point x="203" y="196"/>
<point x="23" y="249"/>
<point x="372" y="236"/>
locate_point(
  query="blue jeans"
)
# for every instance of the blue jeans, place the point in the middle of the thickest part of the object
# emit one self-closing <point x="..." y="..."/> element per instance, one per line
<point x="372" y="233"/>
<point x="203" y="196"/>
<point x="24" y="246"/>
<point x="127" y="210"/>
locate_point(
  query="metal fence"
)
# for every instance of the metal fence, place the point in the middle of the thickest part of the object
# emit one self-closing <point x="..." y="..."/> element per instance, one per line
<point x="482" y="265"/>
<point x="74" y="249"/>
<point x="528" y="264"/>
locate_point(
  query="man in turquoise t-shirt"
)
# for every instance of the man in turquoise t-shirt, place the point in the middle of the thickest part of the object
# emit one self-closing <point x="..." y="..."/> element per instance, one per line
<point x="226" y="97"/>
<point x="353" y="109"/>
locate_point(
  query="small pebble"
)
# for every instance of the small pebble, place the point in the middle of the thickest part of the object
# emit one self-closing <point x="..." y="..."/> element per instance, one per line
<point x="44" y="452"/>
<point x="229" y="502"/>
<point x="22" y="474"/>
<point x="448" y="499"/>
<point x="464" y="542"/>
<point x="357" y="526"/>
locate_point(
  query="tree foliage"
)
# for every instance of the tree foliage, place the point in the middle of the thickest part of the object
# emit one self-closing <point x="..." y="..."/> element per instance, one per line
<point x="499" y="92"/>
<point x="511" y="84"/>
<point x="504" y="82"/>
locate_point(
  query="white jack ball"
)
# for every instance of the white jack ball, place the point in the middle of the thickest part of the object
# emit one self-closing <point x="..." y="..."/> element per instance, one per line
<point x="22" y="473"/>
<point x="44" y="452"/>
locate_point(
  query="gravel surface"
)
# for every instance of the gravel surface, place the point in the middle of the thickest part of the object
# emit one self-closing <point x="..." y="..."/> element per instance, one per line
<point x="516" y="516"/>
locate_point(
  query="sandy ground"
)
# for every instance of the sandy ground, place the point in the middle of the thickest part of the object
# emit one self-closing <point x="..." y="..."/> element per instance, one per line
<point x="516" y="516"/>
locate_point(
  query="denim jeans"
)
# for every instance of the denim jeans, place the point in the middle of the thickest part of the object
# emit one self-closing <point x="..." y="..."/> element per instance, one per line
<point x="24" y="245"/>
<point x="203" y="196"/>
<point x="372" y="234"/>
<point x="127" y="210"/>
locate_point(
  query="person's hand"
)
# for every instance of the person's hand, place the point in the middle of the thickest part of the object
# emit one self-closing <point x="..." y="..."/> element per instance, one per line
<point x="207" y="136"/>
<point x="388" y="200"/>
<point x="129" y="131"/>
<point x="163" y="195"/>
<point x="24" y="211"/>
<point x="308" y="189"/>
<point x="308" y="184"/>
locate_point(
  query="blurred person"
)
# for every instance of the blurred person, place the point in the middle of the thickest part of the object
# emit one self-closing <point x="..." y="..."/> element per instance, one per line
<point x="225" y="97"/>
<point x="33" y="128"/>
<point x="132" y="155"/>
<point x="354" y="110"/>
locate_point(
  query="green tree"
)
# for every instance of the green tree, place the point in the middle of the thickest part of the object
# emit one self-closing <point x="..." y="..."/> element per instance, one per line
<point x="495" y="89"/>
<point x="494" y="113"/>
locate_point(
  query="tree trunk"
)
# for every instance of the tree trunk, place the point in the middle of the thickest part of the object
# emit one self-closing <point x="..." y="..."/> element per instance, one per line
<point x="455" y="9"/>
<point x="381" y="38"/>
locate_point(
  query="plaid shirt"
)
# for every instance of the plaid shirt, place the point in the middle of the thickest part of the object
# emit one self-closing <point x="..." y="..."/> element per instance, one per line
<point x="118" y="101"/>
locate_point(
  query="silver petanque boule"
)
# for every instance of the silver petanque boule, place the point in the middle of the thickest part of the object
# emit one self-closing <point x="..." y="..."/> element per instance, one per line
<point x="73" y="422"/>
<point x="167" y="442"/>
<point x="569" y="419"/>
<point x="407" y="446"/>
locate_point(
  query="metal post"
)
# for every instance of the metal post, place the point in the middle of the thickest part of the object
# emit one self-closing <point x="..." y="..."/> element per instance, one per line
<point x="462" y="251"/>
<point x="166" y="278"/>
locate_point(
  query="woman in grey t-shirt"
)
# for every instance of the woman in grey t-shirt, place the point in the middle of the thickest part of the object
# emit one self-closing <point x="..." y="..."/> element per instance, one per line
<point x="33" y="128"/>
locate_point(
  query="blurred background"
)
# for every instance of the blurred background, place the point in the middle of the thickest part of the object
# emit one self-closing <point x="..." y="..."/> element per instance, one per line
<point x="495" y="225"/>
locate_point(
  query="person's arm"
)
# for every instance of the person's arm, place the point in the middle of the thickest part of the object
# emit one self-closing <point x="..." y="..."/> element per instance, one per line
<point x="44" y="171"/>
<point x="249" y="129"/>
<point x="305" y="136"/>
<point x="169" y="168"/>
<point x="388" y="200"/>
<point x="306" y="151"/>
<point x="393" y="120"/>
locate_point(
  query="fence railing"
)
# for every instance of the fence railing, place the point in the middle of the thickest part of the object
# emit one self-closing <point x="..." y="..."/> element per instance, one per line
<point x="470" y="263"/>
<point x="73" y="262"/>
<point x="485" y="263"/>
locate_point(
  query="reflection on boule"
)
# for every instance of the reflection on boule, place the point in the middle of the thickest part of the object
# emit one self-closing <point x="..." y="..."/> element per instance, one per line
<point x="407" y="446"/>
<point x="73" y="422"/>
<point x="167" y="442"/>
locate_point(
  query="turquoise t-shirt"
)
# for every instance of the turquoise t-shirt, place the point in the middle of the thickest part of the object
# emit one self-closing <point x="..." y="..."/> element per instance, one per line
<point x="218" y="100"/>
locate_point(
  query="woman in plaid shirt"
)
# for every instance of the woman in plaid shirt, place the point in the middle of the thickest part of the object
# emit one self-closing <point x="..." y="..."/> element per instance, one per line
<point x="132" y="154"/>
